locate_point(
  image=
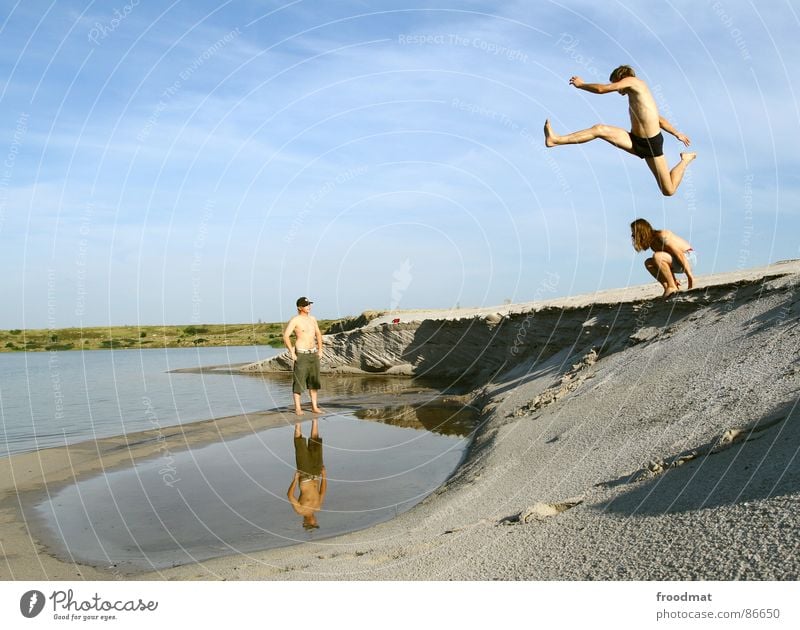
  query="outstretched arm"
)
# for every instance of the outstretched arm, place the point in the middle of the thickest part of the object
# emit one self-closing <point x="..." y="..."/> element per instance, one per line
<point x="667" y="126"/>
<point x="600" y="88"/>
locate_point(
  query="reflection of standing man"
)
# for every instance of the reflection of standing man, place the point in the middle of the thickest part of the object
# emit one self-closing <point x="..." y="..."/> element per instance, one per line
<point x="305" y="354"/>
<point x="310" y="475"/>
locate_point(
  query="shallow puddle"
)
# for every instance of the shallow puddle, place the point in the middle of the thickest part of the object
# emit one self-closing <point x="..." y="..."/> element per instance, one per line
<point x="454" y="420"/>
<point x="231" y="497"/>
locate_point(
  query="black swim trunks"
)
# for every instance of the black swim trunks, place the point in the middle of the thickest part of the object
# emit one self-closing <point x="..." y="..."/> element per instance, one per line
<point x="647" y="147"/>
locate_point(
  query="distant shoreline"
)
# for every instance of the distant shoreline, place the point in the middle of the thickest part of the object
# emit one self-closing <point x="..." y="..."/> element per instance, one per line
<point x="137" y="337"/>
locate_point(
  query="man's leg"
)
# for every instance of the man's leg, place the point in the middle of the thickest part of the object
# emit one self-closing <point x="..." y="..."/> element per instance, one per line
<point x="313" y="383"/>
<point x="313" y="394"/>
<point x="614" y="135"/>
<point x="315" y="429"/>
<point x="652" y="267"/>
<point x="297" y="408"/>
<point x="668" y="181"/>
<point x="299" y="376"/>
<point x="297" y="430"/>
<point x="663" y="272"/>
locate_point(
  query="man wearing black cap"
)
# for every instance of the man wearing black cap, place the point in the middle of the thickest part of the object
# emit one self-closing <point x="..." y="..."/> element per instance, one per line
<point x="305" y="354"/>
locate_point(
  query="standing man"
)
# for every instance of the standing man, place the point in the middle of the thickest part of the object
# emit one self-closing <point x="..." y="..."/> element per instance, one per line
<point x="644" y="139"/>
<point x="305" y="354"/>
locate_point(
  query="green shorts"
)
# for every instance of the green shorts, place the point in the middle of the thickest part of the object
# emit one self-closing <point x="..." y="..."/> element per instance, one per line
<point x="308" y="457"/>
<point x="306" y="372"/>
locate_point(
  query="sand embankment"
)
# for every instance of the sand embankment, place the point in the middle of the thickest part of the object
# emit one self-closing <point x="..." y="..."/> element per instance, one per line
<point x="475" y="344"/>
<point x="622" y="437"/>
<point x="626" y="438"/>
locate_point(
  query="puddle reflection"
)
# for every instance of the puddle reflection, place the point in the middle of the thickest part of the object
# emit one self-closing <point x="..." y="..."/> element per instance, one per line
<point x="453" y="420"/>
<point x="310" y="478"/>
<point x="231" y="497"/>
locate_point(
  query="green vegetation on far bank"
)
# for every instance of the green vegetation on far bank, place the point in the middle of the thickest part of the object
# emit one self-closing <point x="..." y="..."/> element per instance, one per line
<point x="119" y="337"/>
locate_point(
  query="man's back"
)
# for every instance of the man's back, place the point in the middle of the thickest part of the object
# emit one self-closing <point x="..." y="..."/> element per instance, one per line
<point x="664" y="240"/>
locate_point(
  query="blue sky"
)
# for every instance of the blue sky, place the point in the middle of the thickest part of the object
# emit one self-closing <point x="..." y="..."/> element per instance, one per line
<point x="203" y="162"/>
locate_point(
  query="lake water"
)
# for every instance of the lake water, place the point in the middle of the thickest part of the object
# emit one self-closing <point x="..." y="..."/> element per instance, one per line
<point x="56" y="398"/>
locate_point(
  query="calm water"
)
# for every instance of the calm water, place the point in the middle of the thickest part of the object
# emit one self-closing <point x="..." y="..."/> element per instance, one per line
<point x="230" y="497"/>
<point x="57" y="398"/>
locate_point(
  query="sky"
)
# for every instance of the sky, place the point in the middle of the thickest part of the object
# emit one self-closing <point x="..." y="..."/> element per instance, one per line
<point x="210" y="162"/>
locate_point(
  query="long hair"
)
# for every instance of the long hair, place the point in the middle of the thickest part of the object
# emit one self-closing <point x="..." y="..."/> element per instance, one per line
<point x="642" y="234"/>
<point x="620" y="73"/>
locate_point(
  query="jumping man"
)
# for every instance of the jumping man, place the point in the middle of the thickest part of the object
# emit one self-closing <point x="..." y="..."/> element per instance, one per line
<point x="644" y="139"/>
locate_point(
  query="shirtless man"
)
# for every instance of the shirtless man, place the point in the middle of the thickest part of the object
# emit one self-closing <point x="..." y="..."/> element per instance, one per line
<point x="644" y="140"/>
<point x="671" y="254"/>
<point x="310" y="476"/>
<point x="305" y="354"/>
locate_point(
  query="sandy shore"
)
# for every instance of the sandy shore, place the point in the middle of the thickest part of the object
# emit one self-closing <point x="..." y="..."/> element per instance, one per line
<point x="663" y="445"/>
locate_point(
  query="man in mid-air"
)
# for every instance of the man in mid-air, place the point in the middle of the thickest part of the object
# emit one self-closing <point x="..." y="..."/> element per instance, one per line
<point x="644" y="139"/>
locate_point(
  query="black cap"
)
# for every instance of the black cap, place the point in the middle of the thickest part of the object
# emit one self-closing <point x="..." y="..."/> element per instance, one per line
<point x="303" y="301"/>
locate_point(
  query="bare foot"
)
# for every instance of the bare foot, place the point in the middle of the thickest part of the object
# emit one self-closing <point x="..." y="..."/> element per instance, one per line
<point x="548" y="135"/>
<point x="298" y="412"/>
<point x="688" y="157"/>
<point x="317" y="410"/>
<point x="669" y="292"/>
